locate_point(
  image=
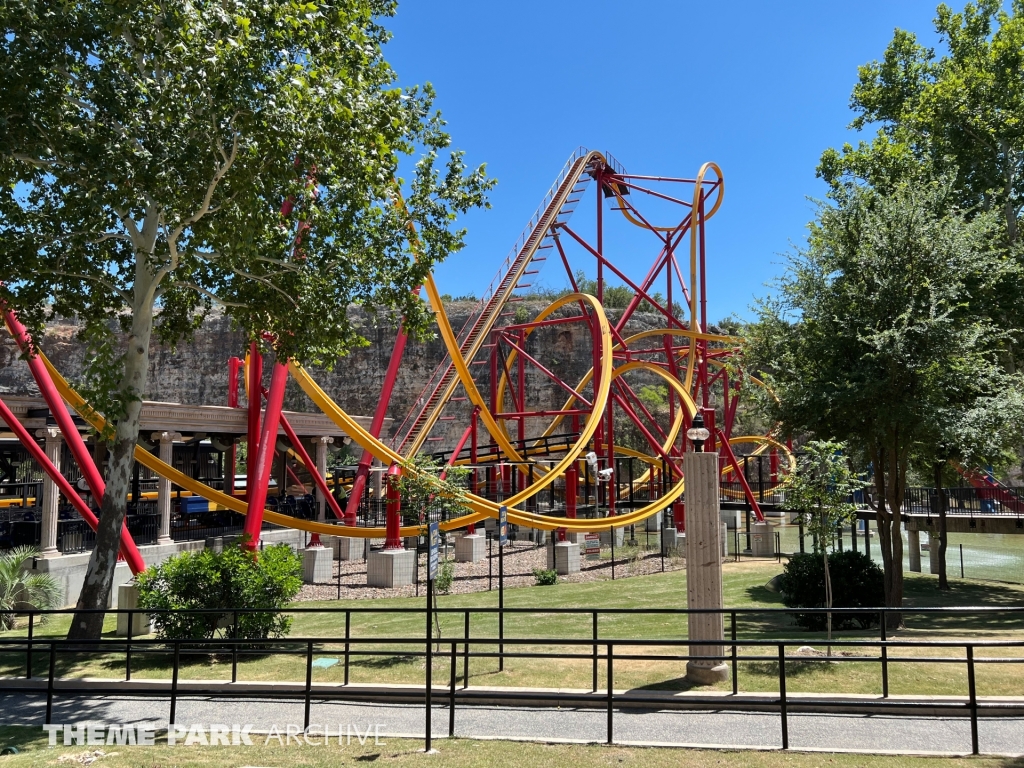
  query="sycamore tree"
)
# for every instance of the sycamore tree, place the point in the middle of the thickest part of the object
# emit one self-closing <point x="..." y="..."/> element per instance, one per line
<point x="875" y="329"/>
<point x="821" y="492"/>
<point x="163" y="157"/>
<point x="958" y="113"/>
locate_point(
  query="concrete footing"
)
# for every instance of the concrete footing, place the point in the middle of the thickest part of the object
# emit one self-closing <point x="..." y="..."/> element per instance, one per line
<point x="914" y="550"/>
<point x="317" y="565"/>
<point x="701" y="674"/>
<point x="391" y="568"/>
<point x="762" y="540"/>
<point x="348" y="548"/>
<point x="127" y="598"/>
<point x="606" y="537"/>
<point x="933" y="552"/>
<point x="564" y="557"/>
<point x="470" y="548"/>
<point x="672" y="540"/>
<point x="654" y="522"/>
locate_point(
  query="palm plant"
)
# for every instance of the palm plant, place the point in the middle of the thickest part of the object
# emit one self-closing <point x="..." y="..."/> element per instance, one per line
<point x="21" y="589"/>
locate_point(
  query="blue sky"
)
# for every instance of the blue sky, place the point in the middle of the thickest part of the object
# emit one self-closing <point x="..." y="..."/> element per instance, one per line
<point x="760" y="88"/>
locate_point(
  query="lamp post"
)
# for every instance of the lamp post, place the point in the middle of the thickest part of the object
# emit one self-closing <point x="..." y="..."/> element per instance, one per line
<point x="703" y="558"/>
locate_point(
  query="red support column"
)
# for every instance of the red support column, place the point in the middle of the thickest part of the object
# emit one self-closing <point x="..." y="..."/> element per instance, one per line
<point x="260" y="480"/>
<point x="471" y="529"/>
<point x="392" y="520"/>
<point x="255" y="401"/>
<point x="72" y="437"/>
<point x="234" y="366"/>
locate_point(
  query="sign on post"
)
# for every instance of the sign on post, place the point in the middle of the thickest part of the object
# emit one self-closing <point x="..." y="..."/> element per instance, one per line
<point x="592" y="546"/>
<point x="434" y="539"/>
<point x="502" y="525"/>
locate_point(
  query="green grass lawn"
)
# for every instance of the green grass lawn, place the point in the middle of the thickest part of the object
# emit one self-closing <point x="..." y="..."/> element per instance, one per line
<point x="455" y="753"/>
<point x="744" y="588"/>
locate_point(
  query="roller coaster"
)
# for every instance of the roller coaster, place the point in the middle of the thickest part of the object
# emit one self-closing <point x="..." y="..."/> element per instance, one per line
<point x="537" y="458"/>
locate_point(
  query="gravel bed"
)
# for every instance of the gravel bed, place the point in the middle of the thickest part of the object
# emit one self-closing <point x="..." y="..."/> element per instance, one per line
<point x="521" y="559"/>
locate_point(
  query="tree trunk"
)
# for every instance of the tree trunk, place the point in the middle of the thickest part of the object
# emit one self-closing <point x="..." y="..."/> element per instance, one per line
<point x="940" y="502"/>
<point x="828" y="592"/>
<point x="897" y="460"/>
<point x="99" y="576"/>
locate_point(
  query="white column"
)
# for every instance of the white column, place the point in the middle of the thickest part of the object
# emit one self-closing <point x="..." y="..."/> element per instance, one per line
<point x="321" y="443"/>
<point x="914" y="549"/>
<point x="704" y="566"/>
<point x="376" y="476"/>
<point x="51" y="494"/>
<point x="163" y="488"/>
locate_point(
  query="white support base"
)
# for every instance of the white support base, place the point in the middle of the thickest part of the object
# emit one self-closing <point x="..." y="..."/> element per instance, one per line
<point x="700" y="673"/>
<point x="606" y="537"/>
<point x="349" y="548"/>
<point x="470" y="548"/>
<point x="654" y="522"/>
<point x="391" y="568"/>
<point x="762" y="540"/>
<point x="142" y="623"/>
<point x="564" y="557"/>
<point x="317" y="565"/>
<point x="671" y="541"/>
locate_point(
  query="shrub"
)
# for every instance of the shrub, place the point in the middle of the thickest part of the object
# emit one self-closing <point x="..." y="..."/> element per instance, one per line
<point x="545" y="578"/>
<point x="222" y="581"/>
<point x="857" y="582"/>
<point x="445" y="577"/>
<point x="23" y="590"/>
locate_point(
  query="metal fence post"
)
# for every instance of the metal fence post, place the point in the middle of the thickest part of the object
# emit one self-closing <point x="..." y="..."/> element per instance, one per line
<point x="309" y="685"/>
<point x="128" y="649"/>
<point x="234" y="648"/>
<point x="594" y="651"/>
<point x="735" y="665"/>
<point x="174" y="684"/>
<point x="972" y="690"/>
<point x="885" y="658"/>
<point x="348" y="627"/>
<point x="465" y="654"/>
<point x="611" y="695"/>
<point x="49" y="682"/>
<point x="782" y="696"/>
<point x="28" y="649"/>
<point x="451" y="694"/>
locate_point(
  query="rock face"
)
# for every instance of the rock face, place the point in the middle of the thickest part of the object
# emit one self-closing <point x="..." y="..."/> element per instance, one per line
<point x="197" y="373"/>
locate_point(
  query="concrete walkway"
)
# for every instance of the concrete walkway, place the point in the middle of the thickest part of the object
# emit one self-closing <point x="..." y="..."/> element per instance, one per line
<point x="833" y="732"/>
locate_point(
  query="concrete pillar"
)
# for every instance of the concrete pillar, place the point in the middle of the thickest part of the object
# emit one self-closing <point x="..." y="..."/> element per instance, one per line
<point x="321" y="443"/>
<point x="914" y="550"/>
<point x="376" y="478"/>
<point x="51" y="495"/>
<point x="163" y="487"/>
<point x="933" y="552"/>
<point x="704" y="567"/>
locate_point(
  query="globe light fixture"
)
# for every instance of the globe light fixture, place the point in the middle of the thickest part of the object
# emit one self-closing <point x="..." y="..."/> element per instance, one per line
<point x="698" y="433"/>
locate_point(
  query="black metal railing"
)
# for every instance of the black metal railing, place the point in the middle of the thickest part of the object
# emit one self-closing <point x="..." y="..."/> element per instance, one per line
<point x="599" y="650"/>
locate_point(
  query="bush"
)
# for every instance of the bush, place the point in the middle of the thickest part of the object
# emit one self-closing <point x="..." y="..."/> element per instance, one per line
<point x="857" y="582"/>
<point x="222" y="581"/>
<point x="21" y="589"/>
<point x="545" y="578"/>
<point x="445" y="577"/>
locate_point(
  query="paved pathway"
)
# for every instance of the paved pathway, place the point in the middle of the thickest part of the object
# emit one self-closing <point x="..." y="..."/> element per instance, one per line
<point x="875" y="733"/>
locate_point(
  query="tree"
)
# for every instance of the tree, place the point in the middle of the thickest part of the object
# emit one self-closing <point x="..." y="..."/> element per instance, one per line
<point x="821" y="491"/>
<point x="160" y="158"/>
<point x="983" y="428"/>
<point x="21" y="589"/>
<point x="429" y="486"/>
<point x="874" y="330"/>
<point x="959" y="114"/>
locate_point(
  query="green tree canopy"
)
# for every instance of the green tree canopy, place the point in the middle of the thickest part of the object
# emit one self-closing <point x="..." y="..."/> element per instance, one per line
<point x="875" y="335"/>
<point x="162" y="157"/>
